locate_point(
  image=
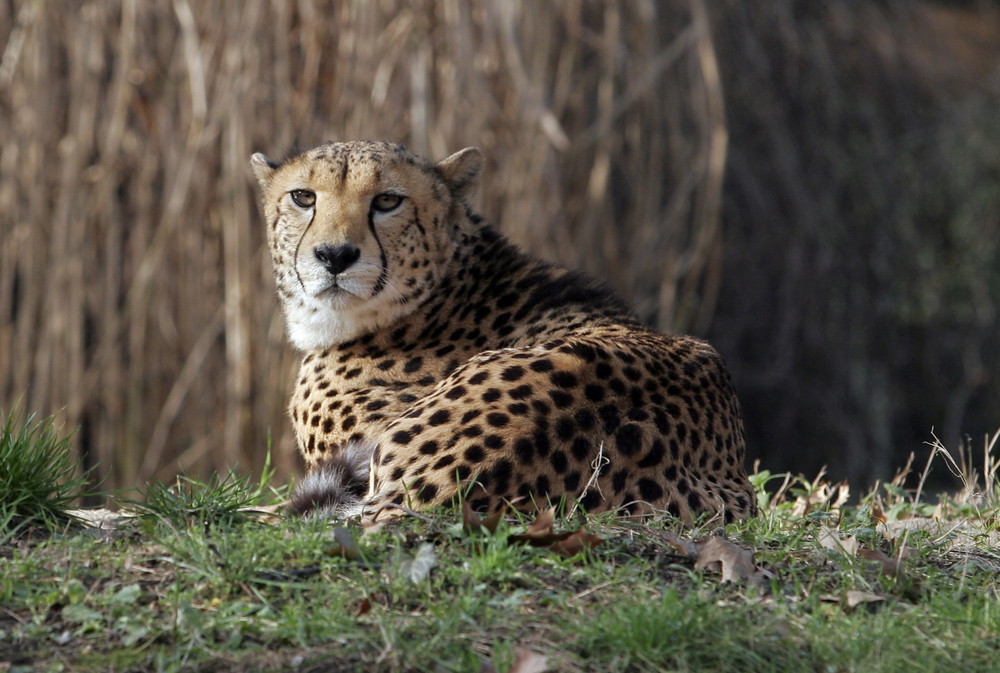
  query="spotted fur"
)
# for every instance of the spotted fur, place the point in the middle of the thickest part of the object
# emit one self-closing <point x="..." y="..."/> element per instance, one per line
<point x="440" y="357"/>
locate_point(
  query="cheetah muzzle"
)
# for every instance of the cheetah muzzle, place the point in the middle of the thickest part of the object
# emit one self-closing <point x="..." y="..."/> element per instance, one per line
<point x="441" y="359"/>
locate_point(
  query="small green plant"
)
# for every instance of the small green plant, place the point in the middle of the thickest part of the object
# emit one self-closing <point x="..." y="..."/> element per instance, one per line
<point x="219" y="501"/>
<point x="38" y="478"/>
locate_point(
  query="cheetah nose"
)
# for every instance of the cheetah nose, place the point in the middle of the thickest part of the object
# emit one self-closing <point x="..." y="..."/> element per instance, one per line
<point x="337" y="260"/>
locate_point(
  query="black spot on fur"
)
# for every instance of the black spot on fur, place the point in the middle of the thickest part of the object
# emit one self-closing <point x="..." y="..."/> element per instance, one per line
<point x="439" y="417"/>
<point x="497" y="419"/>
<point x="628" y="439"/>
<point x="563" y="379"/>
<point x="655" y="455"/>
<point x="474" y="454"/>
<point x="514" y="373"/>
<point x="456" y="393"/>
<point x="521" y="392"/>
<point x="543" y="365"/>
<point x="649" y="490"/>
<point x="525" y="449"/>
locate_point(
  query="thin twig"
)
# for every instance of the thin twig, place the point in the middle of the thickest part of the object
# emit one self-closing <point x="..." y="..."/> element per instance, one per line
<point x="596" y="466"/>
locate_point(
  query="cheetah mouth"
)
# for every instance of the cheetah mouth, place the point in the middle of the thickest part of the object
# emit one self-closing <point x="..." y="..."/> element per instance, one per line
<point x="335" y="292"/>
<point x="344" y="289"/>
<point x="333" y="289"/>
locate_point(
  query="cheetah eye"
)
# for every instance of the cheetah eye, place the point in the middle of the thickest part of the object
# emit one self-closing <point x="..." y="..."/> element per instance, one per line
<point x="303" y="198"/>
<point x="384" y="203"/>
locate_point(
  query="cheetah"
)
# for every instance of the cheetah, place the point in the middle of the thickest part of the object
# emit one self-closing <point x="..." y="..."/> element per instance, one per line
<point x="440" y="359"/>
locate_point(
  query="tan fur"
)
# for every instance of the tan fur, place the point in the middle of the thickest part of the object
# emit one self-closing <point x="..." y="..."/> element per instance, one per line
<point x="456" y="361"/>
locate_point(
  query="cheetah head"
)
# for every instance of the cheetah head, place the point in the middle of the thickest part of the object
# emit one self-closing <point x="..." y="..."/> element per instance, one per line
<point x="360" y="233"/>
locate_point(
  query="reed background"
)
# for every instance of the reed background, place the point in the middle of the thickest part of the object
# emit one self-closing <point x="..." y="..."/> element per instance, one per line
<point x="815" y="187"/>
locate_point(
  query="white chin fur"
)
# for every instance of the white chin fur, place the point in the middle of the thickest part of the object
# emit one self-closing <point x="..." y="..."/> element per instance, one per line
<point x="316" y="324"/>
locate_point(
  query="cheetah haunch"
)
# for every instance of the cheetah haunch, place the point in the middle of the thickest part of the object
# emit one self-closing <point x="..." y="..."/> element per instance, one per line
<point x="439" y="357"/>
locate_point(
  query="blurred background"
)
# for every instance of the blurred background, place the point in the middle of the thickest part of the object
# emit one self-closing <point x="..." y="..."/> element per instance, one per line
<point x="812" y="186"/>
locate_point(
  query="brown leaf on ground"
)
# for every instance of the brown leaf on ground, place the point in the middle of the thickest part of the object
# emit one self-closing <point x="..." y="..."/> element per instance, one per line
<point x="821" y="496"/>
<point x="470" y="520"/>
<point x="539" y="533"/>
<point x="364" y="607"/>
<point x="890" y="566"/>
<point x="491" y="522"/>
<point x="735" y="562"/>
<point x="543" y="523"/>
<point x="577" y="541"/>
<point x="877" y="513"/>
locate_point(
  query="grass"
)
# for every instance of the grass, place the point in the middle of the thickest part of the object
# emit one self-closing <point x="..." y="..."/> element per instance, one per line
<point x="205" y="579"/>
<point x="38" y="477"/>
<point x="220" y="501"/>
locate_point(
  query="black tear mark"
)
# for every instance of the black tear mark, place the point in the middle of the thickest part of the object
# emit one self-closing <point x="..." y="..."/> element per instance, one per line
<point x="383" y="276"/>
<point x="416" y="221"/>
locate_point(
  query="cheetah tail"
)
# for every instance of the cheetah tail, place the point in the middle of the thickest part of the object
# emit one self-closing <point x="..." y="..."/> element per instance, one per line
<point x="335" y="488"/>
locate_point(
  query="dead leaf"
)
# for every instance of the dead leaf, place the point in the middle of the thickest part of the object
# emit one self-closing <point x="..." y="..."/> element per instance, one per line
<point x="877" y="513"/>
<point x="855" y="598"/>
<point x="890" y="566"/>
<point x="491" y="522"/>
<point x="364" y="607"/>
<point x="736" y="563"/>
<point x="830" y="539"/>
<point x="539" y="533"/>
<point x="578" y="541"/>
<point x="543" y="523"/>
<point x="821" y="495"/>
<point x="470" y="520"/>
<point x="425" y="560"/>
<point x="529" y="662"/>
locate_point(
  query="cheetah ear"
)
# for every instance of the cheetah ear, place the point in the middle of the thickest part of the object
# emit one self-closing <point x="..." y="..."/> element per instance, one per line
<point x="263" y="168"/>
<point x="461" y="171"/>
